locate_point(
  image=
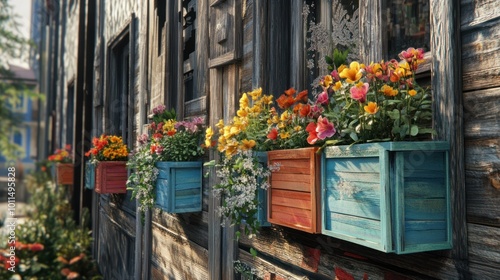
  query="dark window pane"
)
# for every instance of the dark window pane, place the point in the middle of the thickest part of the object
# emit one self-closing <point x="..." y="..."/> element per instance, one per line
<point x="407" y="25"/>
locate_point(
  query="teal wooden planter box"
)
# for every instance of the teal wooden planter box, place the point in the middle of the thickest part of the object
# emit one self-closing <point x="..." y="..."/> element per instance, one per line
<point x="392" y="196"/>
<point x="179" y="186"/>
<point x="89" y="176"/>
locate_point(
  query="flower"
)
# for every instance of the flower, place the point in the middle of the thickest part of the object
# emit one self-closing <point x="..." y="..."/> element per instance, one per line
<point x="170" y="140"/>
<point x="287" y="123"/>
<point x="241" y="176"/>
<point x="250" y="126"/>
<point x="240" y="171"/>
<point x="108" y="148"/>
<point x="378" y="102"/>
<point x="63" y="155"/>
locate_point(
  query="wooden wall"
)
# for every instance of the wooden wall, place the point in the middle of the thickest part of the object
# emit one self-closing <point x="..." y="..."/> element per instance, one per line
<point x="193" y="246"/>
<point x="480" y="26"/>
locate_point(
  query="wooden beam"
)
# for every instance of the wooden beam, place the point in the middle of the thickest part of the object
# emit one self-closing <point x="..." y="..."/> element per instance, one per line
<point x="448" y="114"/>
<point x="214" y="229"/>
<point x="371" y="30"/>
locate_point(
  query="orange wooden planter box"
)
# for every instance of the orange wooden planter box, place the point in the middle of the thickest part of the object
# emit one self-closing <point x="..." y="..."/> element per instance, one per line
<point x="294" y="195"/>
<point x="111" y="177"/>
<point x="64" y="173"/>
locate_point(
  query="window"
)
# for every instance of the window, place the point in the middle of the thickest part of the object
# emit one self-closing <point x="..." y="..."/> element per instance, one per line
<point x="119" y="99"/>
<point x="188" y="51"/>
<point x="408" y="25"/>
<point x="161" y="18"/>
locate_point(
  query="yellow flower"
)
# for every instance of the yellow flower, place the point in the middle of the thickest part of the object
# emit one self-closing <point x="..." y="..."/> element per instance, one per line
<point x="285" y="135"/>
<point x="388" y="90"/>
<point x="209" y="133"/>
<point x="242" y="112"/>
<point x="247" y="144"/>
<point x="337" y="86"/>
<point x="256" y="93"/>
<point x="352" y="74"/>
<point x="244" y="101"/>
<point x="371" y="108"/>
<point x="267" y="99"/>
<point x="220" y="124"/>
<point x="169" y="125"/>
<point x="284" y="116"/>
<point x="327" y="81"/>
<point x="412" y="92"/>
<point x="297" y="128"/>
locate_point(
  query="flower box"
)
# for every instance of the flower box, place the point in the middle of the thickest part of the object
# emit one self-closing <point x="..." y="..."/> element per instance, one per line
<point x="64" y="173"/>
<point x="89" y="176"/>
<point x="392" y="197"/>
<point x="179" y="186"/>
<point x="111" y="177"/>
<point x="293" y="195"/>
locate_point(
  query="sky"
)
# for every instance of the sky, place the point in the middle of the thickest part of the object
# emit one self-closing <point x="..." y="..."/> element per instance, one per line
<point x="22" y="10"/>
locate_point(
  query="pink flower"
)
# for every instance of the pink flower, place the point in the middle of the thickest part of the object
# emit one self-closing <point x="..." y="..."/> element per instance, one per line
<point x="335" y="76"/>
<point x="324" y="128"/>
<point x="316" y="110"/>
<point x="358" y="92"/>
<point x="412" y="54"/>
<point x="322" y="98"/>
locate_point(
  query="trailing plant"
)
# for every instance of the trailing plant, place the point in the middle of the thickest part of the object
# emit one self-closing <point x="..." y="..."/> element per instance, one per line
<point x="170" y="140"/>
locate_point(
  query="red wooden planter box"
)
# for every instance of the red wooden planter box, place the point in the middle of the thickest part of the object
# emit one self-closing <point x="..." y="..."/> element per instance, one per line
<point x="294" y="195"/>
<point x="111" y="177"/>
<point x="64" y="173"/>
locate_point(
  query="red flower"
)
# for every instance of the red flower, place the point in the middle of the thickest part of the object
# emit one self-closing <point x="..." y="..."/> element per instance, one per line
<point x="273" y="134"/>
<point x="325" y="128"/>
<point x="35" y="247"/>
<point x="305" y="110"/>
<point x="313" y="136"/>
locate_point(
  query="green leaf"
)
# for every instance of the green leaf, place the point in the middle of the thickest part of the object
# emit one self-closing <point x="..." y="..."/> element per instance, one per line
<point x="253" y="252"/>
<point x="328" y="59"/>
<point x="414" y="130"/>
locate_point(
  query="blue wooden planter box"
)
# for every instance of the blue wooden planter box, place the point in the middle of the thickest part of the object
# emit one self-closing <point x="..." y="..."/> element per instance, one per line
<point x="392" y="196"/>
<point x="89" y="176"/>
<point x="179" y="186"/>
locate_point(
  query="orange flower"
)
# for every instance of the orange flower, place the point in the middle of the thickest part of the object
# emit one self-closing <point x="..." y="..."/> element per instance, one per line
<point x="388" y="90"/>
<point x="371" y="108"/>
<point x="302" y="96"/>
<point x="285" y="101"/>
<point x="412" y="92"/>
<point x="291" y="91"/>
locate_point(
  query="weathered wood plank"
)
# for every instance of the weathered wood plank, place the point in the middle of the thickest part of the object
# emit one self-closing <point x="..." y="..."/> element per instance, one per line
<point x="177" y="257"/>
<point x="289" y="249"/>
<point x="371" y="30"/>
<point x="481" y="111"/>
<point x="448" y="115"/>
<point x="483" y="181"/>
<point x="482" y="79"/>
<point x="484" y="245"/>
<point x="477" y="13"/>
<point x="193" y="226"/>
<point x="214" y="230"/>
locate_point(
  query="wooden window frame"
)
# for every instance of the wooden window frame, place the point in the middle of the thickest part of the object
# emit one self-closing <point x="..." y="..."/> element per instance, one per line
<point x="125" y="36"/>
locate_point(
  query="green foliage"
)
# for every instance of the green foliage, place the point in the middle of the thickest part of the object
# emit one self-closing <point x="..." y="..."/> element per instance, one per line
<point x="50" y="244"/>
<point x="12" y="45"/>
<point x="338" y="58"/>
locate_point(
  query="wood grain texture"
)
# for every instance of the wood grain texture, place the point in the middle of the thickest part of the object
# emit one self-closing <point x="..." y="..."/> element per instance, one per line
<point x="293" y="195"/>
<point x="448" y="114"/>
<point x="370" y="30"/>
<point x="481" y="111"/>
<point x="177" y="257"/>
<point x="484" y="246"/>
<point x="475" y="14"/>
<point x="214" y="230"/>
<point x="482" y="176"/>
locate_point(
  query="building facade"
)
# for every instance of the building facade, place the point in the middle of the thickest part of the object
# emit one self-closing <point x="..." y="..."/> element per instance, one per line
<point x="112" y="61"/>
